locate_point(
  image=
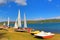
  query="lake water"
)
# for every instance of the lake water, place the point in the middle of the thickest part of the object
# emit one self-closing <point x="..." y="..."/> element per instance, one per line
<point x="48" y="27"/>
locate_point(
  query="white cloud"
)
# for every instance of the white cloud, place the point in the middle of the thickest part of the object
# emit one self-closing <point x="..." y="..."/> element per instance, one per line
<point x="58" y="17"/>
<point x="3" y="2"/>
<point x="34" y="19"/>
<point x="20" y="2"/>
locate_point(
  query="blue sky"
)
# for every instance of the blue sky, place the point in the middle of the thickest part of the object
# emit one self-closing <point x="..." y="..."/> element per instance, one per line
<point x="34" y="9"/>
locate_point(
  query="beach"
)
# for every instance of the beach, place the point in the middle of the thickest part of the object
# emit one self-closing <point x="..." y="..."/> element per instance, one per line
<point x="12" y="35"/>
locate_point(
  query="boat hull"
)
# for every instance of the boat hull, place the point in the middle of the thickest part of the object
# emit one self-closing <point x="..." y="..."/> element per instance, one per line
<point x="20" y="30"/>
<point x="45" y="37"/>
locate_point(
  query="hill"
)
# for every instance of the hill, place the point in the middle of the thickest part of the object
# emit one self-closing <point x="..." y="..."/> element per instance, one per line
<point x="45" y="21"/>
<point x="36" y="21"/>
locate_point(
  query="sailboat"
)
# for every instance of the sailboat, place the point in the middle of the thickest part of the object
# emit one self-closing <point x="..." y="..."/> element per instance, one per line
<point x="4" y="24"/>
<point x="16" y="26"/>
<point x="25" y="23"/>
<point x="19" y="20"/>
<point x="18" y="23"/>
<point x="8" y="22"/>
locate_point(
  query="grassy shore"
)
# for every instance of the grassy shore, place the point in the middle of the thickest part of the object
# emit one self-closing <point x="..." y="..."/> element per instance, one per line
<point x="11" y="35"/>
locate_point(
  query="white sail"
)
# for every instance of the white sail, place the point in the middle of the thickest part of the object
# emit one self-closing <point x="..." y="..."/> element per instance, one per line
<point x="25" y="23"/>
<point x="19" y="19"/>
<point x="4" y="24"/>
<point x="8" y="22"/>
<point x="16" y="26"/>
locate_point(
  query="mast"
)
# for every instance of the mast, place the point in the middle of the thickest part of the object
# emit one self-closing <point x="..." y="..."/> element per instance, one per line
<point x="19" y="19"/>
<point x="8" y="22"/>
<point x="25" y="23"/>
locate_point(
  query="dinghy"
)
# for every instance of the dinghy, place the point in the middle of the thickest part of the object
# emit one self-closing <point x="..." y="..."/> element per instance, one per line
<point x="44" y="35"/>
<point x="18" y="21"/>
<point x="34" y="32"/>
<point x="18" y="24"/>
<point x="6" y="26"/>
<point x="25" y="25"/>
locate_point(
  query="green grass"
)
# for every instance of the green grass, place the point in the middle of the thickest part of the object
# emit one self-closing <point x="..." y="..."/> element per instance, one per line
<point x="16" y="35"/>
<point x="11" y="35"/>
